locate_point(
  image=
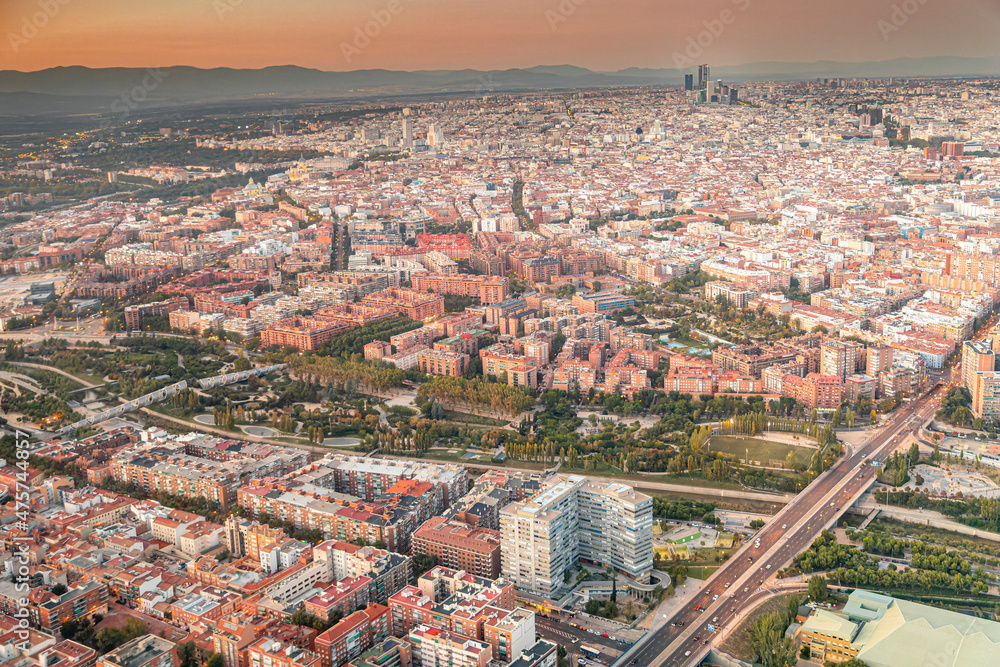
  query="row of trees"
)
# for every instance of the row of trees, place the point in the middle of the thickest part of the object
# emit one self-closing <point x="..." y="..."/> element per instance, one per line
<point x="354" y="341"/>
<point x="223" y="417"/>
<point x="374" y="376"/>
<point x="976" y="512"/>
<point x="477" y="393"/>
<point x="418" y="442"/>
<point x="186" y="401"/>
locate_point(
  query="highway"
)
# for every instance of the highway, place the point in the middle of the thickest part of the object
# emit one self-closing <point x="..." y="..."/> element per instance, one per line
<point x="737" y="584"/>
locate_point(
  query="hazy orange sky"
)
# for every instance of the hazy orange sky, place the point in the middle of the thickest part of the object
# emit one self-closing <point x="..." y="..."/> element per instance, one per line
<point x="484" y="34"/>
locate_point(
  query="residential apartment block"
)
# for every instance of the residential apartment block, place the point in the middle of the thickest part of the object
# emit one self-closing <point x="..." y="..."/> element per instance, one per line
<point x="459" y="546"/>
<point x="575" y="519"/>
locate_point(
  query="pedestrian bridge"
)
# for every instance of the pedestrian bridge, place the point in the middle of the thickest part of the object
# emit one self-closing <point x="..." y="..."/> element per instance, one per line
<point x="165" y="393"/>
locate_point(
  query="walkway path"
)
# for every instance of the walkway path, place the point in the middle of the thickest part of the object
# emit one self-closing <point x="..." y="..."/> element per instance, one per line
<point x="927" y="518"/>
<point x="779" y="498"/>
<point x="86" y="383"/>
<point x="197" y="426"/>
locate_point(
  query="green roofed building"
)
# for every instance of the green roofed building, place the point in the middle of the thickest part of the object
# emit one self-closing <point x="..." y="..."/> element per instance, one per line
<point x="886" y="632"/>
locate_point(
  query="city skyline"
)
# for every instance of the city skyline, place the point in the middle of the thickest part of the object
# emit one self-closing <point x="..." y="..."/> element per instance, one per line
<point x="448" y="34"/>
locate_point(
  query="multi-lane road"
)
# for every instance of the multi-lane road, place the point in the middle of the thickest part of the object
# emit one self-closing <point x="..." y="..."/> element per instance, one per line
<point x="736" y="584"/>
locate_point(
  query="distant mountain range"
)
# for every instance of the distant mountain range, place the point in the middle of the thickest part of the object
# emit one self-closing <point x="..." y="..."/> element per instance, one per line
<point x="80" y="90"/>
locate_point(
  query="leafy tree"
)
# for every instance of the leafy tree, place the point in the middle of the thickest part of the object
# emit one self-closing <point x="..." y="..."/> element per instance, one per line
<point x="817" y="589"/>
<point x="187" y="654"/>
<point x="767" y="639"/>
<point x="955" y="407"/>
<point x="423" y="563"/>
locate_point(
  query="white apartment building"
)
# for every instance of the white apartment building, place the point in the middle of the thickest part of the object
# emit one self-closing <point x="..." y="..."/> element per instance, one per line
<point x="538" y="537"/>
<point x="438" y="262"/>
<point x="433" y="647"/>
<point x="616" y="528"/>
<point x="609" y="525"/>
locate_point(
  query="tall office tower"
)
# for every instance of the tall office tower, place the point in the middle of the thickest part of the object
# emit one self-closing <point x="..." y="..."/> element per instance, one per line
<point x="407" y="132"/>
<point x="435" y="137"/>
<point x="704" y="73"/>
<point x="977" y="357"/>
<point x="689" y="82"/>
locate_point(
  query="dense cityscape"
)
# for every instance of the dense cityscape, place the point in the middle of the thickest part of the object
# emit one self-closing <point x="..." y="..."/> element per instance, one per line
<point x="494" y="370"/>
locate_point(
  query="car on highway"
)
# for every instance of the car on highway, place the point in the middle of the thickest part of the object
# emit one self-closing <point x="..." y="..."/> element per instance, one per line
<point x="784" y="525"/>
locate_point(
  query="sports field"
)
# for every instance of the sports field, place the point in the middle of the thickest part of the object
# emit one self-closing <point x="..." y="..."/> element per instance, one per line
<point x="764" y="452"/>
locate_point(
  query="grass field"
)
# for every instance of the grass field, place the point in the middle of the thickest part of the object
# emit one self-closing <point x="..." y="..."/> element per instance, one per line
<point x="482" y="459"/>
<point x="467" y="418"/>
<point x="701" y="572"/>
<point x="764" y="451"/>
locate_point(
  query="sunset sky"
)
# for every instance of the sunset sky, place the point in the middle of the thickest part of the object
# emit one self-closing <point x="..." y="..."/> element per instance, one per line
<point x="484" y="34"/>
